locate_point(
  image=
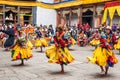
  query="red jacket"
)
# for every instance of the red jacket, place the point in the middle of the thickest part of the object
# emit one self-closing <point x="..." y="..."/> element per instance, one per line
<point x="104" y="43"/>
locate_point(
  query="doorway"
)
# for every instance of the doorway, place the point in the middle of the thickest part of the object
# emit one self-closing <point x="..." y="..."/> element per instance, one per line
<point x="10" y="17"/>
<point x="74" y="19"/>
<point x="87" y="17"/>
<point x="26" y="19"/>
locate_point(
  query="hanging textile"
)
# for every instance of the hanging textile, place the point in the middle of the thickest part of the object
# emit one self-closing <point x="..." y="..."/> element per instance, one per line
<point x="118" y="11"/>
<point x="111" y="8"/>
<point x="111" y="14"/>
<point x="104" y="16"/>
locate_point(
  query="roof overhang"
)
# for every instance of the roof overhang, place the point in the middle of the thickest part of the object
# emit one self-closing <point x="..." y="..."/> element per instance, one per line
<point x="51" y="6"/>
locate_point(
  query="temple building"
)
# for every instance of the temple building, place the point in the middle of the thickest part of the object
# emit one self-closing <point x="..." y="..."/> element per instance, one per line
<point x="74" y="12"/>
<point x="15" y="14"/>
<point x="27" y="12"/>
<point x="55" y="12"/>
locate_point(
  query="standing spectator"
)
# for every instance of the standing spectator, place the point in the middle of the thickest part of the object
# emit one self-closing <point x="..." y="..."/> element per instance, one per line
<point x="74" y="33"/>
<point x="50" y="30"/>
<point x="114" y="28"/>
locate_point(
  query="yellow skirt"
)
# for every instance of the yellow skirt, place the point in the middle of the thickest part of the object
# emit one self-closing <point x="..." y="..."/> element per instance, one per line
<point x="117" y="46"/>
<point x="41" y="42"/>
<point x="95" y="42"/>
<point x="59" y="55"/>
<point x="21" y="53"/>
<point x="101" y="56"/>
<point x="38" y="43"/>
<point x="73" y="41"/>
<point x="29" y="45"/>
<point x="44" y="42"/>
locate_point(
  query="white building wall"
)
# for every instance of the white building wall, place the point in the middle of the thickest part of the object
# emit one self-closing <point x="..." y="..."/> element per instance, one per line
<point x="116" y="19"/>
<point x="46" y="16"/>
<point x="74" y="22"/>
<point x="46" y="1"/>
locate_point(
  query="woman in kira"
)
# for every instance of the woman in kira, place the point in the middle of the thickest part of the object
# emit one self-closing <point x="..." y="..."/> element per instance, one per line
<point x="59" y="53"/>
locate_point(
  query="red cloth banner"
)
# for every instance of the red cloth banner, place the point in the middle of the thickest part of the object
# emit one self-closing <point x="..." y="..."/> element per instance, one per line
<point x="112" y="4"/>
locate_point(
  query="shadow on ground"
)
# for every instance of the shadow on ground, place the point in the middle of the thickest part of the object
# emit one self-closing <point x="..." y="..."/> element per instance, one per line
<point x="98" y="75"/>
<point x="19" y="65"/>
<point x="40" y="51"/>
<point x="72" y="49"/>
<point x="58" y="73"/>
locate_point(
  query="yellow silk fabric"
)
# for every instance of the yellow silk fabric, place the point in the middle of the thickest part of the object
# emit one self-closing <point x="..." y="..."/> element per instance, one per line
<point x="111" y="12"/>
<point x="50" y="6"/>
<point x="101" y="55"/>
<point x="118" y="11"/>
<point x="104" y="16"/>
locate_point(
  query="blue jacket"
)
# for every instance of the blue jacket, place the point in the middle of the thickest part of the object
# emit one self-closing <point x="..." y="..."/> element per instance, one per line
<point x="10" y="40"/>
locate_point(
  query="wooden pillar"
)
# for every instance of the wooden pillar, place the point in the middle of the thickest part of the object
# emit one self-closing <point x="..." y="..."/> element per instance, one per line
<point x="70" y="17"/>
<point x="94" y="15"/>
<point x="31" y="17"/>
<point x="78" y="13"/>
<point x="30" y="20"/>
<point x="78" y="21"/>
<point x="65" y="21"/>
<point x="15" y="19"/>
<point x="1" y="17"/>
<point x="99" y="9"/>
<point x="100" y="17"/>
<point x="63" y="18"/>
<point x="34" y="15"/>
<point x="18" y="14"/>
<point x="3" y="13"/>
<point x="22" y="20"/>
<point x="81" y="15"/>
<point x="58" y="18"/>
<point x="99" y="20"/>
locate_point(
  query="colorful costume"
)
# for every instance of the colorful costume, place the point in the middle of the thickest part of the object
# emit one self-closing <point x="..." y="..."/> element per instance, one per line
<point x="82" y="39"/>
<point x="40" y="41"/>
<point x="59" y="53"/>
<point x="95" y="39"/>
<point x="22" y="48"/>
<point x="117" y="46"/>
<point x="111" y="39"/>
<point x="3" y="38"/>
<point x="10" y="40"/>
<point x="44" y="42"/>
<point x="70" y="40"/>
<point x="103" y="55"/>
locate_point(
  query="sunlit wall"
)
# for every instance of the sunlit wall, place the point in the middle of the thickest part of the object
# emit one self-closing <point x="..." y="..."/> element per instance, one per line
<point x="46" y="16"/>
